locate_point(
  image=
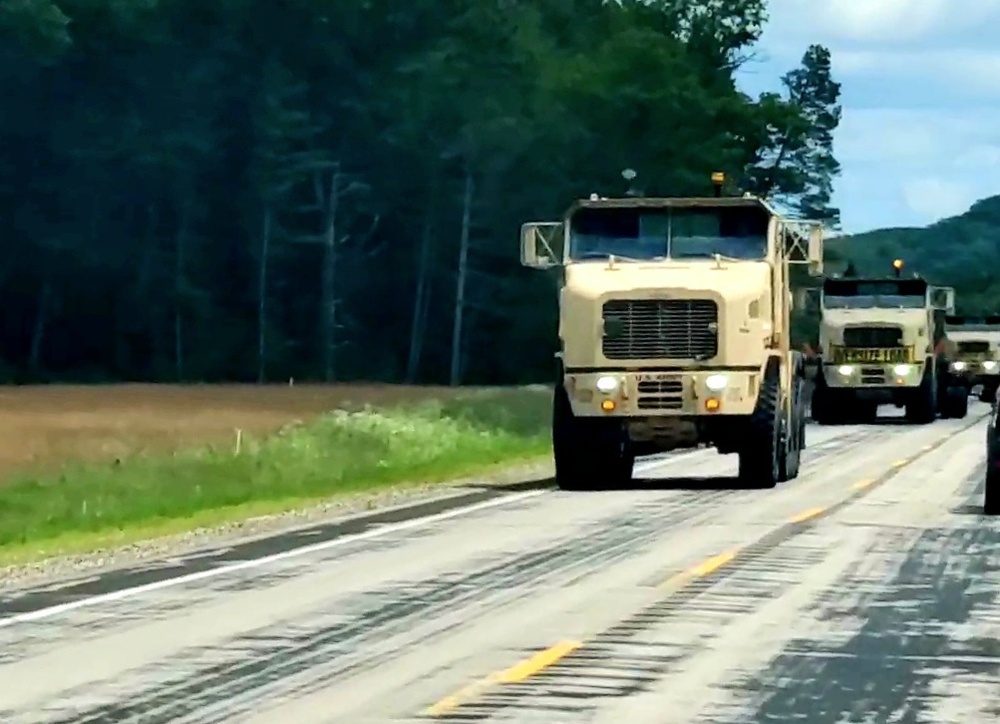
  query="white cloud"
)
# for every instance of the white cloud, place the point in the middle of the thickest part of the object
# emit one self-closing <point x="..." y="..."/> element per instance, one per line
<point x="976" y="158"/>
<point x="880" y="19"/>
<point x="886" y="22"/>
<point x="917" y="136"/>
<point x="971" y="69"/>
<point x="934" y="198"/>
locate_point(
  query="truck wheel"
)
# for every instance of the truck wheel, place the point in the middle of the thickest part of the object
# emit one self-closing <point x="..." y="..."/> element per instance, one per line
<point x="589" y="453"/>
<point x="821" y="408"/>
<point x="871" y="412"/>
<point x="958" y="398"/>
<point x="762" y="450"/>
<point x="991" y="498"/>
<point x="922" y="407"/>
<point x="794" y="436"/>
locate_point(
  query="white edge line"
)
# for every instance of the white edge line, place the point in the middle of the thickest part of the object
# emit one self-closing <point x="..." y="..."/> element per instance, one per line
<point x="125" y="593"/>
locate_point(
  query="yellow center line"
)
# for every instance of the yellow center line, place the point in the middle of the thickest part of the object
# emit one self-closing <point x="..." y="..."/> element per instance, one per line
<point x="807" y="514"/>
<point x="466" y="693"/>
<point x="900" y="463"/>
<point x="713" y="564"/>
<point x="542" y="660"/>
<point x="515" y="674"/>
<point x="862" y="484"/>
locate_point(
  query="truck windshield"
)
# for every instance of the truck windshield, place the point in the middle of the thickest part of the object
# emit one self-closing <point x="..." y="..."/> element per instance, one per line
<point x="647" y="234"/>
<point x="891" y="294"/>
<point x="878" y="301"/>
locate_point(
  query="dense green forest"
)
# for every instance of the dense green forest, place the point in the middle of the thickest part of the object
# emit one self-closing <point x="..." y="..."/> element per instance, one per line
<point x="973" y="243"/>
<point x="324" y="189"/>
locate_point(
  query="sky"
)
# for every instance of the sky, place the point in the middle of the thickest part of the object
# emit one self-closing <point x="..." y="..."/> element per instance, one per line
<point x="919" y="139"/>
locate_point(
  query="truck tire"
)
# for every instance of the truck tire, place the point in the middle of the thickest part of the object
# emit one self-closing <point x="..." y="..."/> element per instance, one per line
<point x="922" y="407"/>
<point x="821" y="408"/>
<point x="794" y="435"/>
<point x="991" y="496"/>
<point x="589" y="454"/>
<point x="868" y="412"/>
<point x="955" y="397"/>
<point x="958" y="402"/>
<point x="762" y="450"/>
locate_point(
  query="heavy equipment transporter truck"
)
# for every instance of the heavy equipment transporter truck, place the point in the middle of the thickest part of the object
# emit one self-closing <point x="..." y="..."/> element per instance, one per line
<point x="883" y="341"/>
<point x="974" y="349"/>
<point x="674" y="333"/>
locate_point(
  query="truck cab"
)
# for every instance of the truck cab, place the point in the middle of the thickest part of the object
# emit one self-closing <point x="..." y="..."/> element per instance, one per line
<point x="882" y="343"/>
<point x="975" y="352"/>
<point x="674" y="333"/>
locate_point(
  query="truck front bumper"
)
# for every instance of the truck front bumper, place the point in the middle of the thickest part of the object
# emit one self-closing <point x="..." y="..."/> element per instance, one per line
<point x="872" y="376"/>
<point x="716" y="392"/>
<point x="977" y="373"/>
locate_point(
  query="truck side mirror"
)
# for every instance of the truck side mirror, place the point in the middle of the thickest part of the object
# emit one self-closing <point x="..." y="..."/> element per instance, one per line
<point x="541" y="244"/>
<point x="816" y="250"/>
<point x="807" y="298"/>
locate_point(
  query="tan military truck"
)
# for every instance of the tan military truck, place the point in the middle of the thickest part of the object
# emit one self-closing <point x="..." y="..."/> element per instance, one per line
<point x="883" y="341"/>
<point x="975" y="352"/>
<point x="674" y="331"/>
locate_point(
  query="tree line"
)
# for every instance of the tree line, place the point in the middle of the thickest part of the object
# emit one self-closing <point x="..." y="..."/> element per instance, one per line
<point x="329" y="190"/>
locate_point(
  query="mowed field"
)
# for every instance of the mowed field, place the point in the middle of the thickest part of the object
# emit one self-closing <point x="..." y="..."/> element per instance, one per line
<point x="44" y="426"/>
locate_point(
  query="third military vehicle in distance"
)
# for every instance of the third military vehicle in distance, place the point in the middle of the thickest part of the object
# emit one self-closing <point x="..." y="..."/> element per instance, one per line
<point x="882" y="342"/>
<point x="975" y="355"/>
<point x="674" y="332"/>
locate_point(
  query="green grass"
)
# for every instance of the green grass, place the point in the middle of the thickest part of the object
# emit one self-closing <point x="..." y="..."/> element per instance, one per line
<point x="89" y="506"/>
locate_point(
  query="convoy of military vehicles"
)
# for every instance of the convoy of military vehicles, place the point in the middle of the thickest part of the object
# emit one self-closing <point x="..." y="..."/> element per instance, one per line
<point x="675" y="326"/>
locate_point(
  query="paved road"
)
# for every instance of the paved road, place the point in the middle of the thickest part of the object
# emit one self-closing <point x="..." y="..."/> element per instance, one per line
<point x="866" y="590"/>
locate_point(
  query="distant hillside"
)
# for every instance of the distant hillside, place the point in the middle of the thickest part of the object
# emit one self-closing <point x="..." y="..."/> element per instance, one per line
<point x="961" y="251"/>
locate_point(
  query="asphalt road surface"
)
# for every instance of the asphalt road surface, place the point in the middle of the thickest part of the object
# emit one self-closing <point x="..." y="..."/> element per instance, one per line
<point x="867" y="590"/>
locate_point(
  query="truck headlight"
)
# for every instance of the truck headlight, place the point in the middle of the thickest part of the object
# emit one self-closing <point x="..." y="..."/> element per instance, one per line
<point x="901" y="370"/>
<point x="716" y="382"/>
<point x="606" y="384"/>
<point x="989" y="365"/>
<point x="845" y="370"/>
<point x="958" y="366"/>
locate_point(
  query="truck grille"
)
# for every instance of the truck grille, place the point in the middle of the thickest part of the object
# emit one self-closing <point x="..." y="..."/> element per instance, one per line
<point x="661" y="329"/>
<point x="873" y="337"/>
<point x="873" y="376"/>
<point x="661" y="395"/>
<point x="973" y="347"/>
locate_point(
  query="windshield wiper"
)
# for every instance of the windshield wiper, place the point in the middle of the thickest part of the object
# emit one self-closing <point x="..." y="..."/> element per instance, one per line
<point x="604" y="255"/>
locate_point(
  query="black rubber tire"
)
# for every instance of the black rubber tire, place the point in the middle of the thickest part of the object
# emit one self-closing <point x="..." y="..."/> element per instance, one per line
<point x="922" y="408"/>
<point x="590" y="454"/>
<point x="794" y="436"/>
<point x="762" y="450"/>
<point x="991" y="495"/>
<point x="821" y="409"/>
<point x="958" y="398"/>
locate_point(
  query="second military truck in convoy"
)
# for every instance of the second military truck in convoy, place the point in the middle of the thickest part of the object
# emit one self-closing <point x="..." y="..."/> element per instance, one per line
<point x="674" y="332"/>
<point x="883" y="342"/>
<point x="975" y="352"/>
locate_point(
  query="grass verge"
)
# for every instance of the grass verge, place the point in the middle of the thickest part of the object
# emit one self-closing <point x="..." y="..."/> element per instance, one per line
<point x="87" y="506"/>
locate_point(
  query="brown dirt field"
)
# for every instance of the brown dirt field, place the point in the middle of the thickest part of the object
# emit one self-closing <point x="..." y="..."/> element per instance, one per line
<point x="44" y="426"/>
